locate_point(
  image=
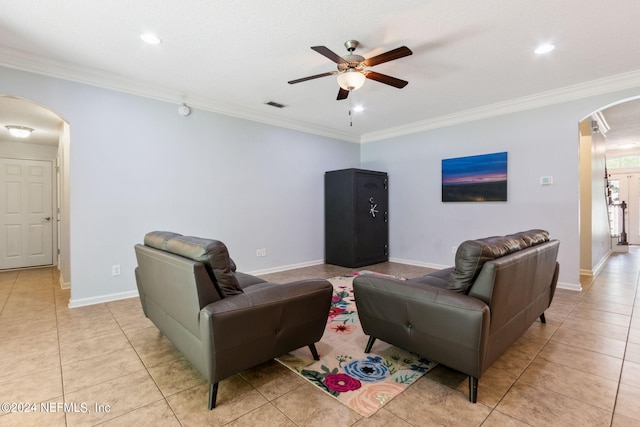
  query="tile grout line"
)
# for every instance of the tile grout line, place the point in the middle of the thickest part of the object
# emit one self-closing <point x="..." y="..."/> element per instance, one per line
<point x="4" y="304"/>
<point x="55" y="307"/>
<point x="633" y="307"/>
<point x="583" y="293"/>
<point x="146" y="368"/>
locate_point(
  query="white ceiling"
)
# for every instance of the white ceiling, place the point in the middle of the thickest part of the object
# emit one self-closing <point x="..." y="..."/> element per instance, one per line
<point x="233" y="56"/>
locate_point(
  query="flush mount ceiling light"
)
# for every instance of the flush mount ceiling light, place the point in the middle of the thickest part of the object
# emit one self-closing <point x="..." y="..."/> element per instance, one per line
<point x="351" y="79"/>
<point x="544" y="48"/>
<point x="150" y="38"/>
<point x="19" y="131"/>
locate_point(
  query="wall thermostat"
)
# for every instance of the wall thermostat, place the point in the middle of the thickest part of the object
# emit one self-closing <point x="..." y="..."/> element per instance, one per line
<point x="546" y="180"/>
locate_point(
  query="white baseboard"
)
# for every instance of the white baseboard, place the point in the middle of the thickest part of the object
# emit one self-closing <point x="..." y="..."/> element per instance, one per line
<point x="102" y="299"/>
<point x="285" y="268"/>
<point x="418" y="263"/>
<point x="602" y="263"/>
<point x="569" y="286"/>
<point x="598" y="268"/>
<point x="63" y="284"/>
<point x="134" y="294"/>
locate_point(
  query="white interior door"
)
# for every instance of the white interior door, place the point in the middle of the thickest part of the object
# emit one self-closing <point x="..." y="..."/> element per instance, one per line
<point x="26" y="234"/>
<point x="630" y="193"/>
<point x="633" y="209"/>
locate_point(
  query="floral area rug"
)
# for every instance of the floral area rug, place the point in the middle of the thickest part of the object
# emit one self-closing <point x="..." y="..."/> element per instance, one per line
<point x="364" y="382"/>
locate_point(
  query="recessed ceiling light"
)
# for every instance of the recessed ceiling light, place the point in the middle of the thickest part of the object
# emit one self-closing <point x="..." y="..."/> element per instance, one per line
<point x="544" y="48"/>
<point x="358" y="108"/>
<point x="150" y="38"/>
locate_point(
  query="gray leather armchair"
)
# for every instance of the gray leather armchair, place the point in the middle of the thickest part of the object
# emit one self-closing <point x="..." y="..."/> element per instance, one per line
<point x="221" y="320"/>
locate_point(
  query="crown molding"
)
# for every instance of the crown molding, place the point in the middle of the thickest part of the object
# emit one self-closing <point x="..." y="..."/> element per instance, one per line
<point x="25" y="62"/>
<point x="542" y="99"/>
<point x="22" y="61"/>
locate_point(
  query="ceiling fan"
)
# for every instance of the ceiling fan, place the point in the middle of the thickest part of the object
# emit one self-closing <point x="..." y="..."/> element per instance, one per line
<point x="353" y="69"/>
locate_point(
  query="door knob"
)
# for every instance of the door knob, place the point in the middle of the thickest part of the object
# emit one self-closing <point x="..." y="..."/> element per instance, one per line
<point x="48" y="218"/>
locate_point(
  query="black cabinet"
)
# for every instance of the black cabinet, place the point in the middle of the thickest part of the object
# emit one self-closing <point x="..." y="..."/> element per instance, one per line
<point x="356" y="205"/>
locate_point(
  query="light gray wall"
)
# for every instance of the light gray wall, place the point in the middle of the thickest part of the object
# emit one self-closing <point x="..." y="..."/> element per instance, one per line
<point x="539" y="142"/>
<point x="136" y="166"/>
<point x="23" y="150"/>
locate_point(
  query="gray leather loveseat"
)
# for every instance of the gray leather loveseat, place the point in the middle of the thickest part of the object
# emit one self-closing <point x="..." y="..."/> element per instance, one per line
<point x="466" y="316"/>
<point x="221" y="320"/>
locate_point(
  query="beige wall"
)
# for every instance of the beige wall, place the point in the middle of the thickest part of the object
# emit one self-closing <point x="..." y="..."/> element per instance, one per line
<point x="595" y="242"/>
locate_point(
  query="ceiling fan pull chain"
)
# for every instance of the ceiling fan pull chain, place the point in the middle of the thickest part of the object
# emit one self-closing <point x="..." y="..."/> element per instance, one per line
<point x="350" y="115"/>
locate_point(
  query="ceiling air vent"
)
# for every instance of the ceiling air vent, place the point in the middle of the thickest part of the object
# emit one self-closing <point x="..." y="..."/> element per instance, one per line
<point x="275" y="104"/>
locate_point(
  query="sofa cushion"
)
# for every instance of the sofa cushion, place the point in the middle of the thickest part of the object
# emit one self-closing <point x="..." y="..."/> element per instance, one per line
<point x="469" y="261"/>
<point x="437" y="278"/>
<point x="214" y="255"/>
<point x="246" y="280"/>
<point x="531" y="237"/>
<point x="159" y="239"/>
<point x="473" y="254"/>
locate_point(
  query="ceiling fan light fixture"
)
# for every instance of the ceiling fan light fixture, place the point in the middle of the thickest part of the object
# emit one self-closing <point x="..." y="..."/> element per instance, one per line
<point x="351" y="79"/>
<point x="19" y="131"/>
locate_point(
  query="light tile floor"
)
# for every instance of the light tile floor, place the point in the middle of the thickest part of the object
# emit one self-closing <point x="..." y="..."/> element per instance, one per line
<point x="108" y="365"/>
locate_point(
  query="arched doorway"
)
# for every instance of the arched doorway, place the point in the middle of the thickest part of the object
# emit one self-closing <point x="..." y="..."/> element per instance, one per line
<point x="34" y="193"/>
<point x="610" y="133"/>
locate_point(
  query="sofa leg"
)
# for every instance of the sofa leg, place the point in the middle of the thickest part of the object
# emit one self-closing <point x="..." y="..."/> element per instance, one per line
<point x="473" y="389"/>
<point x="542" y="319"/>
<point x="372" y="339"/>
<point x="314" y="352"/>
<point x="213" y="394"/>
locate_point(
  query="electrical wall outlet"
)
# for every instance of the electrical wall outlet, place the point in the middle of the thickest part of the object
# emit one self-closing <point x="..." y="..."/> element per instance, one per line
<point x="454" y="249"/>
<point x="115" y="270"/>
<point x="261" y="252"/>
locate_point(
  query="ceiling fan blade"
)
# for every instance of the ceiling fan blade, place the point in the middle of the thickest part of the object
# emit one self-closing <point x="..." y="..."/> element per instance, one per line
<point x="323" y="50"/>
<point x="383" y="78"/>
<point x="342" y="94"/>
<point x="304" y="79"/>
<point x="396" y="53"/>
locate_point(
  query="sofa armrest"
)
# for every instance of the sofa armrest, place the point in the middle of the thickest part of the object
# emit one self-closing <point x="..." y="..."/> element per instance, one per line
<point x="438" y="324"/>
<point x="247" y="329"/>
